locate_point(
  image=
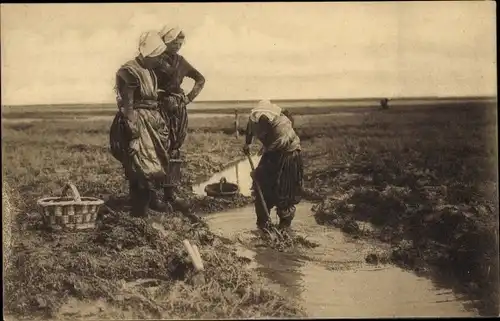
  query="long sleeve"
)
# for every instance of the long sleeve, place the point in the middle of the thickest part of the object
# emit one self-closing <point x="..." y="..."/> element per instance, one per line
<point x="127" y="84"/>
<point x="199" y="81"/>
<point x="248" y="133"/>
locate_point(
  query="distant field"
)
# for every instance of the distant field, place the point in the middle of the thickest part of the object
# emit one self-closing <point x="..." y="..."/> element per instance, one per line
<point x="298" y="107"/>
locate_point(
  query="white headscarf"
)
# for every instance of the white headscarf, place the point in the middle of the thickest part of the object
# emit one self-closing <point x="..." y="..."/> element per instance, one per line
<point x="265" y="107"/>
<point x="151" y="44"/>
<point x="168" y="34"/>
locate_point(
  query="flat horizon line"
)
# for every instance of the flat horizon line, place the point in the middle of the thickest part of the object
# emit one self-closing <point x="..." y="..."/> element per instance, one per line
<point x="478" y="97"/>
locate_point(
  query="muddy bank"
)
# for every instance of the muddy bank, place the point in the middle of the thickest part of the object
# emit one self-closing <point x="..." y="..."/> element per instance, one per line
<point x="448" y="242"/>
<point x="126" y="268"/>
<point x="114" y="262"/>
<point x="431" y="194"/>
<point x="135" y="268"/>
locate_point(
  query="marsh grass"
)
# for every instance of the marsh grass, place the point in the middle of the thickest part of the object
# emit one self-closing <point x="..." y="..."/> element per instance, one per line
<point x="47" y="270"/>
<point x="425" y="177"/>
<point x="428" y="181"/>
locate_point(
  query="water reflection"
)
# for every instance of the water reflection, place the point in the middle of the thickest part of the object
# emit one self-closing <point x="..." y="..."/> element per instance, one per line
<point x="237" y="174"/>
<point x="283" y="268"/>
<point x="333" y="279"/>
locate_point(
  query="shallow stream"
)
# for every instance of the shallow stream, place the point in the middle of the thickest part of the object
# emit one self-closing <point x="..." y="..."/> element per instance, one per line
<point x="333" y="279"/>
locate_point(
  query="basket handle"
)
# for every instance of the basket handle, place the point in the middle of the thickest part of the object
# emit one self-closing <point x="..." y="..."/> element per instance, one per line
<point x="76" y="194"/>
<point x="222" y="182"/>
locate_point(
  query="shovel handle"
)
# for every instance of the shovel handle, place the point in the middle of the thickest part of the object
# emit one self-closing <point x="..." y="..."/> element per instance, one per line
<point x="259" y="190"/>
<point x="251" y="162"/>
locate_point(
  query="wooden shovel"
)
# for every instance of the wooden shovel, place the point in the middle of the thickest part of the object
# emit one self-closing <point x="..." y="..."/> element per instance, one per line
<point x="261" y="196"/>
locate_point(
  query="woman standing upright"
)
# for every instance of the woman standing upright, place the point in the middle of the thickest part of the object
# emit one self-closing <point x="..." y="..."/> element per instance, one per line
<point x="139" y="136"/>
<point x="173" y="101"/>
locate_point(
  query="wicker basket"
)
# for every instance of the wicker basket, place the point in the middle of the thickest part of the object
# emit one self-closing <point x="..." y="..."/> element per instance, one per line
<point x="174" y="172"/>
<point x="70" y="213"/>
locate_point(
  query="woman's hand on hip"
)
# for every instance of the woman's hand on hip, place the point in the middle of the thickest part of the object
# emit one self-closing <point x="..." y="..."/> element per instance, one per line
<point x="185" y="99"/>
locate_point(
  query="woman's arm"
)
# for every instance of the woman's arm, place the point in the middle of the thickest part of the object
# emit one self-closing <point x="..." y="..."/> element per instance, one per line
<point x="199" y="81"/>
<point x="248" y="139"/>
<point x="128" y="86"/>
<point x="248" y="134"/>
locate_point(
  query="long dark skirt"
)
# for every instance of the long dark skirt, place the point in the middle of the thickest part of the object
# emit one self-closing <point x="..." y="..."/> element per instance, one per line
<point x="142" y="151"/>
<point x="280" y="176"/>
<point x="174" y="112"/>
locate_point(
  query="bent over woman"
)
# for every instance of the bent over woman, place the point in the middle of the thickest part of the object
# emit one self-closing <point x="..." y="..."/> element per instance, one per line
<point x="280" y="170"/>
<point x="139" y="136"/>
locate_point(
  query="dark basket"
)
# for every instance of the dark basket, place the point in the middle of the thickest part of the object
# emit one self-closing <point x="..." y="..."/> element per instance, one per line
<point x="174" y="172"/>
<point x="222" y="189"/>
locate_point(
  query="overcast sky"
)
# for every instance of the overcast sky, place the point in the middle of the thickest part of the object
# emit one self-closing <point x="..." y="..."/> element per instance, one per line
<point x="69" y="53"/>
